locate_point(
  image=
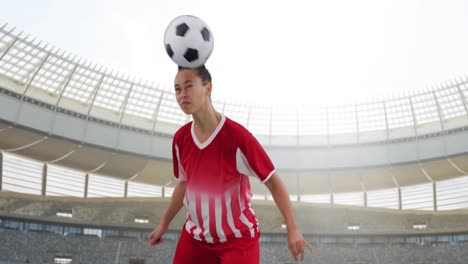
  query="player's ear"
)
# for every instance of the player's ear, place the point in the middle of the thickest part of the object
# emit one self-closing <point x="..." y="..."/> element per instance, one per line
<point x="208" y="87"/>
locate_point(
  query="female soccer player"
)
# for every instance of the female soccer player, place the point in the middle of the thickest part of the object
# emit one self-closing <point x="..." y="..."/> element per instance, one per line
<point x="213" y="158"/>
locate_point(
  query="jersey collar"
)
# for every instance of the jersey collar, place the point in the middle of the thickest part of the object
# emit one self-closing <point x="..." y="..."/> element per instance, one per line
<point x="213" y="135"/>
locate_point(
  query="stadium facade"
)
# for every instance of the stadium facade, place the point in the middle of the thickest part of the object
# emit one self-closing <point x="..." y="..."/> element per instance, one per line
<point x="70" y="128"/>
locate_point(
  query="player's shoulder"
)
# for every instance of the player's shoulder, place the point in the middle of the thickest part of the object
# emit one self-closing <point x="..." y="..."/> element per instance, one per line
<point x="233" y="126"/>
<point x="235" y="129"/>
<point x="183" y="130"/>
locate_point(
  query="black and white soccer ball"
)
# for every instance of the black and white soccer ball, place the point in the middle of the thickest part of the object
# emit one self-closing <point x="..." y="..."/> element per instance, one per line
<point x="188" y="41"/>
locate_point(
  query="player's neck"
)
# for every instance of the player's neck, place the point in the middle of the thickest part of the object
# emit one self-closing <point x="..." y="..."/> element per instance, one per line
<point x="206" y="121"/>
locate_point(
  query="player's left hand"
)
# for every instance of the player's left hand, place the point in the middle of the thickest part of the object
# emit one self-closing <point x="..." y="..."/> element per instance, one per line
<point x="297" y="244"/>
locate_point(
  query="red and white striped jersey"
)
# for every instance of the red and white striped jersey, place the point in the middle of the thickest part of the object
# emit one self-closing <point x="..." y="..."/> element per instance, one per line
<point x="218" y="192"/>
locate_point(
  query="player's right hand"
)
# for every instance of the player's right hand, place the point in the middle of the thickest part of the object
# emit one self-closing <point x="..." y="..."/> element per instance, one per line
<point x="156" y="236"/>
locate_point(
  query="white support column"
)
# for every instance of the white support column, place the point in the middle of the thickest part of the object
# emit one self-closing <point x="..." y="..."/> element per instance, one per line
<point x="62" y="91"/>
<point x="400" y="202"/>
<point x="298" y="128"/>
<point x="417" y="142"/>
<point x="386" y="121"/>
<point x="365" y="199"/>
<point x="332" y="195"/>
<point x="86" y="185"/>
<point x="156" y="112"/>
<point x="387" y="143"/>
<point x="93" y="98"/>
<point x="155" y="121"/>
<point x="463" y="98"/>
<point x="1" y="170"/>
<point x="441" y="119"/>
<point x="95" y="92"/>
<point x="123" y="106"/>
<point x="122" y="109"/>
<point x="328" y="126"/>
<point x="434" y="190"/>
<point x="415" y="123"/>
<point x="364" y="191"/>
<point x="44" y="180"/>
<point x="439" y="111"/>
<point x="399" y="192"/>
<point x="356" y="117"/>
<point x="298" y="181"/>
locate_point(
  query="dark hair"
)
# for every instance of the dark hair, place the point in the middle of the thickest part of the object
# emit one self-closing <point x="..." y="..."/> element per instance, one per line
<point x="201" y="71"/>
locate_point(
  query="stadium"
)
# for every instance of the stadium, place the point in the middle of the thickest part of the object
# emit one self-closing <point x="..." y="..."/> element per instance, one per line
<point x="86" y="167"/>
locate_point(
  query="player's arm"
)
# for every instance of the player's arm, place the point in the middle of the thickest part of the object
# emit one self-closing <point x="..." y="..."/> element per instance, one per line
<point x="296" y="241"/>
<point x="175" y="204"/>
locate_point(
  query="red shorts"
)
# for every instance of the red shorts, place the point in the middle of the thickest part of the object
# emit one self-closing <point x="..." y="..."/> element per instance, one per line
<point x="245" y="250"/>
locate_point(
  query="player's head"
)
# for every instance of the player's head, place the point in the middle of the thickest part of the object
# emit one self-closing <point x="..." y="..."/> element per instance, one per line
<point x="193" y="89"/>
<point x="201" y="71"/>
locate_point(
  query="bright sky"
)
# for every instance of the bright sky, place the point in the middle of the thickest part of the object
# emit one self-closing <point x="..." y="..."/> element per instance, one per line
<point x="268" y="52"/>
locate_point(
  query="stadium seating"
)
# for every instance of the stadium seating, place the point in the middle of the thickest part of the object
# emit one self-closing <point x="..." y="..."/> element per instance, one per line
<point x="43" y="247"/>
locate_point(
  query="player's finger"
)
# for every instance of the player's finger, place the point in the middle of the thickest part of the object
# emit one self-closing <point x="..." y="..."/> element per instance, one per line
<point x="293" y="251"/>
<point x="299" y="246"/>
<point x="297" y="250"/>
<point x="308" y="245"/>
<point x="300" y="249"/>
<point x="153" y="241"/>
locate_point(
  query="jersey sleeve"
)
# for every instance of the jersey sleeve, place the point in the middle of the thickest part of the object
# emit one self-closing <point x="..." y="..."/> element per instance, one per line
<point x="179" y="172"/>
<point x="251" y="158"/>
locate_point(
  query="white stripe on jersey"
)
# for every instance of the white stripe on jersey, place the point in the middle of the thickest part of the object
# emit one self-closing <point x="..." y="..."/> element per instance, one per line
<point x="244" y="218"/>
<point x="205" y="213"/>
<point x="243" y="165"/>
<point x="193" y="215"/>
<point x="227" y="196"/>
<point x="247" y="223"/>
<point x="218" y="219"/>
<point x="188" y="226"/>
<point x="182" y="176"/>
<point x="253" y="212"/>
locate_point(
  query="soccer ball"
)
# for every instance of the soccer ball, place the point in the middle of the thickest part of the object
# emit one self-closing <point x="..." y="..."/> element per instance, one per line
<point x="188" y="41"/>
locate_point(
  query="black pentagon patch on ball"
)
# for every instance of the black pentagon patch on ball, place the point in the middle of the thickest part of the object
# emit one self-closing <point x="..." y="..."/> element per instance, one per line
<point x="191" y="55"/>
<point x="169" y="50"/>
<point x="205" y="34"/>
<point x="182" y="29"/>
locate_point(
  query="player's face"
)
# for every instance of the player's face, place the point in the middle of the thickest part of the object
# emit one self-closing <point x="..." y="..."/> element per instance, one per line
<point x="191" y="93"/>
